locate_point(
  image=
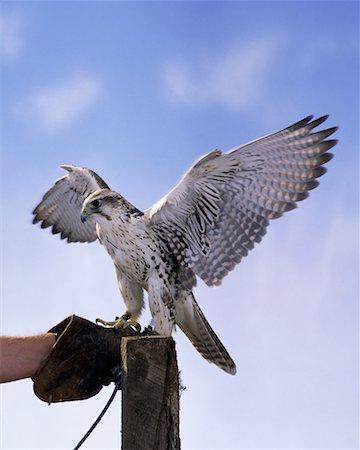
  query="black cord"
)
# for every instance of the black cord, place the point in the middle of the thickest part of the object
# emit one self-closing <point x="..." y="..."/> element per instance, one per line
<point x="91" y="429"/>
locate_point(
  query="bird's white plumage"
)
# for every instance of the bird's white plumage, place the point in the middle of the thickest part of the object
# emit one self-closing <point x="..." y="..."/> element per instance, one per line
<point x="223" y="205"/>
<point x="203" y="227"/>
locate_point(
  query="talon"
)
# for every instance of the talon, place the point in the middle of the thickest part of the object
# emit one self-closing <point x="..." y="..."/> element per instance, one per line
<point x="106" y="323"/>
<point x="134" y="325"/>
<point x="124" y="321"/>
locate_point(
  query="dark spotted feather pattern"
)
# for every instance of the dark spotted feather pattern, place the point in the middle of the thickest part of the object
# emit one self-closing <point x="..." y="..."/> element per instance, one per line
<point x="203" y="227"/>
<point x="223" y="205"/>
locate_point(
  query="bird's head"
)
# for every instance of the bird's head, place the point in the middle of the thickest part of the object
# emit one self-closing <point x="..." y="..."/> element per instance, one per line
<point x="99" y="203"/>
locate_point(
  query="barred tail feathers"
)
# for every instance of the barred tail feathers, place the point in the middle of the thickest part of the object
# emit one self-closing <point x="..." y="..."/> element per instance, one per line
<point x="193" y="323"/>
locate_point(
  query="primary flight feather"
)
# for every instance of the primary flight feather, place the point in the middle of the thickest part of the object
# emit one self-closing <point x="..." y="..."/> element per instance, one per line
<point x="203" y="227"/>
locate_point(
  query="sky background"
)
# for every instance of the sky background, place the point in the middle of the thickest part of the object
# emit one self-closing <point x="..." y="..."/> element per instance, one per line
<point x="137" y="91"/>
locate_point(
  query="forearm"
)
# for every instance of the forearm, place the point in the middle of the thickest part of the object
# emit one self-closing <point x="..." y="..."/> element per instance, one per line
<point x="20" y="357"/>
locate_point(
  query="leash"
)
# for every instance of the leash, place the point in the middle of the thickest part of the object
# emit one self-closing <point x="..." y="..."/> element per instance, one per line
<point x="101" y="415"/>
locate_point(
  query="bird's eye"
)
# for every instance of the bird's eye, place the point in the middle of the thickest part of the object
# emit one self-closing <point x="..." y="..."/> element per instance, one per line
<point x="95" y="203"/>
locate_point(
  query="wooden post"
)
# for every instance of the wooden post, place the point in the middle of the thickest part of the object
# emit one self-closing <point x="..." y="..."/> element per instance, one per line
<point x="150" y="394"/>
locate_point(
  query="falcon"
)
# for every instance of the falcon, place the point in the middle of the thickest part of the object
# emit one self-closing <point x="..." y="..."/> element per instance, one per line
<point x="201" y="228"/>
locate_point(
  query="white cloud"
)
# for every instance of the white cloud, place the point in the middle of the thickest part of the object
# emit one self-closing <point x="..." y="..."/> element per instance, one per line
<point x="236" y="79"/>
<point x="11" y="35"/>
<point x="57" y="105"/>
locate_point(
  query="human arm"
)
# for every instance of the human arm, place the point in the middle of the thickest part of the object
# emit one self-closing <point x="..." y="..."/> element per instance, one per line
<point x="20" y="357"/>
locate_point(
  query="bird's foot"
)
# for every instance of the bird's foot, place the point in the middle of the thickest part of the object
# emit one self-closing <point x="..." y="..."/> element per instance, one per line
<point x="125" y="321"/>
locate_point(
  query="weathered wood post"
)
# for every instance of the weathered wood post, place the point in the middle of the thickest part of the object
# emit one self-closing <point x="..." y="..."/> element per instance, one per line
<point x="150" y="394"/>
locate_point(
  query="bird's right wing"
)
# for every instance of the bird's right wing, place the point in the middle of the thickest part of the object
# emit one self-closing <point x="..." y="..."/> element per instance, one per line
<point x="60" y="207"/>
<point x="224" y="203"/>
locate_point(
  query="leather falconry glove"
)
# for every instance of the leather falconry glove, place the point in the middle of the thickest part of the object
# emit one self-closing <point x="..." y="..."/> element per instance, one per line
<point x="84" y="358"/>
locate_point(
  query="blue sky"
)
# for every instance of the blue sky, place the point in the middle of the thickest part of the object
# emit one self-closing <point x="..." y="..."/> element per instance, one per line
<point x="137" y="91"/>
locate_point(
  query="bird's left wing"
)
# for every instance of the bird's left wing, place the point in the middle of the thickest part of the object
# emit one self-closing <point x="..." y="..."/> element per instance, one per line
<point x="223" y="205"/>
<point x="61" y="205"/>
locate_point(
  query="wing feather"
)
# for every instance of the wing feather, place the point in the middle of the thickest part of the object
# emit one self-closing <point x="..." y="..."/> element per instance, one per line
<point x="60" y="207"/>
<point x="224" y="203"/>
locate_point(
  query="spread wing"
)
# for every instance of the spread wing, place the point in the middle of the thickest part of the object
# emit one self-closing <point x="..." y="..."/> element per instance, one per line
<point x="223" y="205"/>
<point x="60" y="207"/>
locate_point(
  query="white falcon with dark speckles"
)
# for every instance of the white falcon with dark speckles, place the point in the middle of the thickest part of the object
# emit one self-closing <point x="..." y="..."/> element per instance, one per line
<point x="203" y="227"/>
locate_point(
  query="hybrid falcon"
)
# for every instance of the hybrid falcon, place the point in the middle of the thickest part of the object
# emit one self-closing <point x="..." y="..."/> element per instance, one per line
<point x="201" y="228"/>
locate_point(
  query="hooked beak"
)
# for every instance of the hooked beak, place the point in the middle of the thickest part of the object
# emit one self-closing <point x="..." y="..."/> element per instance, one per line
<point x="84" y="216"/>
